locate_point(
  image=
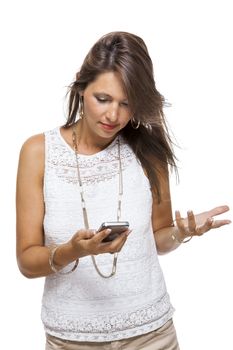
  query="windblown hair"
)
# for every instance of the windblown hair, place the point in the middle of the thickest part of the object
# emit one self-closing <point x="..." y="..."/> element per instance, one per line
<point x="127" y="54"/>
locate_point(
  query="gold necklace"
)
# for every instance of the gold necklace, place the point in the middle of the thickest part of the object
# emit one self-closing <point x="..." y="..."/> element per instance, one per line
<point x="83" y="203"/>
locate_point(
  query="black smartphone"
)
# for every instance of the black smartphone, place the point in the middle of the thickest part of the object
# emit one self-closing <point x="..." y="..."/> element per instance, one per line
<point x="117" y="228"/>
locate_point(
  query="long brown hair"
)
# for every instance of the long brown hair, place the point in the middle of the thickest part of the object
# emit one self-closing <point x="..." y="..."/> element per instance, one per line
<point x="127" y="54"/>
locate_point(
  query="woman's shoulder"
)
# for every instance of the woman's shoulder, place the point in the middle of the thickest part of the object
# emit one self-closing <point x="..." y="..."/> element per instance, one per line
<point x="32" y="153"/>
<point x="31" y="157"/>
<point x="34" y="144"/>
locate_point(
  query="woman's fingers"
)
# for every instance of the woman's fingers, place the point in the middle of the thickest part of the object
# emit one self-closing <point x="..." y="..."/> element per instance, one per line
<point x="219" y="223"/>
<point x="197" y="225"/>
<point x="218" y="210"/>
<point x="192" y="228"/>
<point x="99" y="236"/>
<point x="180" y="223"/>
<point x="208" y="224"/>
<point x="90" y="242"/>
<point x="83" y="234"/>
<point x="95" y="244"/>
<point x="115" y="245"/>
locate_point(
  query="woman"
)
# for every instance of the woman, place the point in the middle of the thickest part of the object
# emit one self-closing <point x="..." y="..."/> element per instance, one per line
<point x="109" y="162"/>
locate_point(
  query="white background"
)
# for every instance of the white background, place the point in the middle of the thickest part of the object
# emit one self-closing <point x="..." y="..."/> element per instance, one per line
<point x="43" y="44"/>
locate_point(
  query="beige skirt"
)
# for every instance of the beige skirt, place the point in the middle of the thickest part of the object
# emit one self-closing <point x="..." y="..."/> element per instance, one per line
<point x="163" y="338"/>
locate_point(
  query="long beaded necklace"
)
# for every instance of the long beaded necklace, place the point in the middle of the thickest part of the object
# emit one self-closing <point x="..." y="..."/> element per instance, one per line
<point x="83" y="203"/>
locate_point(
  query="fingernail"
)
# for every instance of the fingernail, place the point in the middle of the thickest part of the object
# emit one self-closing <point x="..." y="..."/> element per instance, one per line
<point x="108" y="230"/>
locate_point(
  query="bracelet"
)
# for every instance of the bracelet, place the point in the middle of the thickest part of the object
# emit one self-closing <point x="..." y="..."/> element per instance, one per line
<point x="185" y="240"/>
<point x="175" y="238"/>
<point x="52" y="265"/>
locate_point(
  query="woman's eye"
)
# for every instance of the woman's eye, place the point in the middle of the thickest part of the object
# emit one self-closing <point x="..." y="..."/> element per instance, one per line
<point x="102" y="100"/>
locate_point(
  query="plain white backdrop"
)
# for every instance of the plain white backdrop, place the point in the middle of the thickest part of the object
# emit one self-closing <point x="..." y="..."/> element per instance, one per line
<point x="43" y="44"/>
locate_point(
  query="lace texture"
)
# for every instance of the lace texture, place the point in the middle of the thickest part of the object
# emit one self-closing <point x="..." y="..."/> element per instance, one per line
<point x="102" y="167"/>
<point x="115" y="326"/>
<point x="83" y="306"/>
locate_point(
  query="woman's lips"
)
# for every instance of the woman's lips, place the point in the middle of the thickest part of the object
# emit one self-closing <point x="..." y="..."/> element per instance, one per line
<point x="108" y="126"/>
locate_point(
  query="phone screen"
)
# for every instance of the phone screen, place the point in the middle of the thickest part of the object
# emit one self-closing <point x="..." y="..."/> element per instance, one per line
<point x="117" y="228"/>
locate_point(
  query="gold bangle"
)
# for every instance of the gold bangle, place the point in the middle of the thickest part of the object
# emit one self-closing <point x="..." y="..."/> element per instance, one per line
<point x="175" y="238"/>
<point x="185" y="240"/>
<point x="52" y="265"/>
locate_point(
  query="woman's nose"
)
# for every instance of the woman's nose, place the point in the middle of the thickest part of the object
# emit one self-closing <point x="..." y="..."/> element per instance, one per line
<point x="112" y="114"/>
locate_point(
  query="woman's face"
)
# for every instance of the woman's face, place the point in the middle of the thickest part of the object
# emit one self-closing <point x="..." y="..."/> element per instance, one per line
<point x="105" y="106"/>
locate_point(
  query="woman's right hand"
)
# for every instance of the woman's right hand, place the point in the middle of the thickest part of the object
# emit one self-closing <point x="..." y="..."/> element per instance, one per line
<point x="89" y="242"/>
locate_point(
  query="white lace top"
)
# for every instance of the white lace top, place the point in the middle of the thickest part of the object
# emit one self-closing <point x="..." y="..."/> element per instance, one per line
<point x="83" y="306"/>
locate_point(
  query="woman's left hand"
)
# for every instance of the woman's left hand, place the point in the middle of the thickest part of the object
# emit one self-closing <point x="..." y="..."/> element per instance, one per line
<point x="197" y="225"/>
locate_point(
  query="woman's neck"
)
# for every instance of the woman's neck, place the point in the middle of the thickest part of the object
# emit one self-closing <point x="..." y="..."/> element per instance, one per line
<point x="88" y="141"/>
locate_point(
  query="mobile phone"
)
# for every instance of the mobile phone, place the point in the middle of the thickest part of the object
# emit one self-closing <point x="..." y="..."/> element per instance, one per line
<point x="117" y="227"/>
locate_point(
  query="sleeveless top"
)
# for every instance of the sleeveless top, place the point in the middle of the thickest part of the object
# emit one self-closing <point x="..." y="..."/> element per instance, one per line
<point x="82" y="306"/>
